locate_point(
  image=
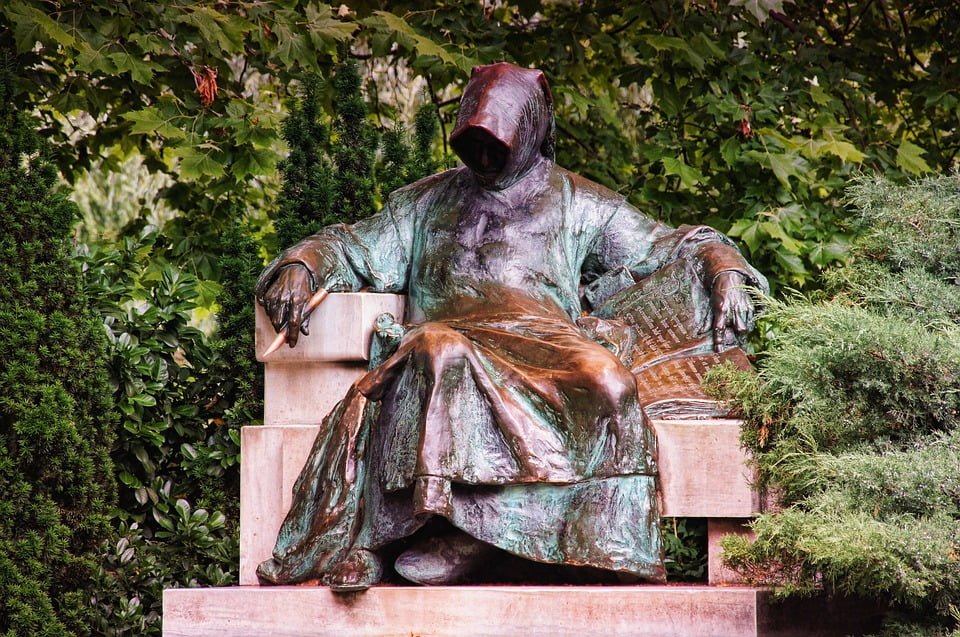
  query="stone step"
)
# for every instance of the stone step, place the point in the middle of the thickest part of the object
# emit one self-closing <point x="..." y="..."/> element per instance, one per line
<point x="531" y="611"/>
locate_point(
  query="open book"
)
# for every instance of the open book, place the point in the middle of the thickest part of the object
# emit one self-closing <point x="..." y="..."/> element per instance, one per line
<point x="661" y="328"/>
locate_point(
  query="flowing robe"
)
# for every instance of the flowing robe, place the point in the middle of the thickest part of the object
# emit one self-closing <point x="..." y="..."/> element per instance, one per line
<point x="497" y="411"/>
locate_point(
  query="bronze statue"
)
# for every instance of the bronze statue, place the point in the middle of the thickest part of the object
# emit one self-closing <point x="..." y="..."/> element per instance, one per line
<point x="499" y="413"/>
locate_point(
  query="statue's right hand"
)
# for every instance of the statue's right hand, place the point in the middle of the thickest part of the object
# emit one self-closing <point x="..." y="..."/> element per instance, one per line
<point x="286" y="300"/>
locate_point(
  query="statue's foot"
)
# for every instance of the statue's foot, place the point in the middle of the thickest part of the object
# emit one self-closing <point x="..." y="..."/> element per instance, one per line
<point x="448" y="559"/>
<point x="359" y="571"/>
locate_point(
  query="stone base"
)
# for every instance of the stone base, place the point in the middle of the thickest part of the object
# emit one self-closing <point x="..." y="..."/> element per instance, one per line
<point x="530" y="611"/>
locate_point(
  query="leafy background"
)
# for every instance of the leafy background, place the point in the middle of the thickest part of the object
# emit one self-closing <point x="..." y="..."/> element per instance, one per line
<point x="200" y="137"/>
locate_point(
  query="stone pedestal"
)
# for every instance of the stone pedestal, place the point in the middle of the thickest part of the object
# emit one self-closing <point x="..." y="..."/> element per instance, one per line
<point x="477" y="611"/>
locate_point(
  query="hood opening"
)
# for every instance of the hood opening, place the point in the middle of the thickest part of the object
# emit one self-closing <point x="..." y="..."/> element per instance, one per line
<point x="481" y="151"/>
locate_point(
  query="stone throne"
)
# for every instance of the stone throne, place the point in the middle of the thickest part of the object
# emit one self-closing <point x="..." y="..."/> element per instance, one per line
<point x="704" y="473"/>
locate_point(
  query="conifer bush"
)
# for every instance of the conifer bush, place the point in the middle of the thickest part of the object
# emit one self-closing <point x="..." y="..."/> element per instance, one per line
<point x="334" y="173"/>
<point x="56" y="419"/>
<point x="854" y="417"/>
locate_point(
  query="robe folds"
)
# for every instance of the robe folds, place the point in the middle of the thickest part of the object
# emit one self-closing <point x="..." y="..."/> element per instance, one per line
<point x="496" y="412"/>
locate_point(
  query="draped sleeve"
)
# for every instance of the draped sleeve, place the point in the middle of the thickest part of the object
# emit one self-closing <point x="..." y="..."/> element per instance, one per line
<point x="373" y="253"/>
<point x="633" y="242"/>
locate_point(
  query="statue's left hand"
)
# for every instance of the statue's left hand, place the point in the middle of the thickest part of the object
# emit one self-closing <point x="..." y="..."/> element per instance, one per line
<point x="732" y="310"/>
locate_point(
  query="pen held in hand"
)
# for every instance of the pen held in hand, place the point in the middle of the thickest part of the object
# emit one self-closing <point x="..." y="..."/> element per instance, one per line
<point x="315" y="300"/>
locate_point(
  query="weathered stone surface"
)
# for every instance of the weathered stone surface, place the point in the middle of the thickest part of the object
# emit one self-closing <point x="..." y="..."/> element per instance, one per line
<point x="339" y="329"/>
<point x="534" y="611"/>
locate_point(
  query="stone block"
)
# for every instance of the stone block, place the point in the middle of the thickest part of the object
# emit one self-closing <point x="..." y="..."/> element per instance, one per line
<point x="304" y="393"/>
<point x="704" y="472"/>
<point x="531" y="611"/>
<point x="339" y="329"/>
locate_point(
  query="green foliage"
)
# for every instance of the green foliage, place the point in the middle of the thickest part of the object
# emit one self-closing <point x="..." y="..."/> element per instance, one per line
<point x="902" y="223"/>
<point x="685" y="549"/>
<point x="192" y="550"/>
<point x="748" y="116"/>
<point x="707" y="113"/>
<point x="353" y="148"/>
<point x="241" y="376"/>
<point x="339" y="178"/>
<point x="855" y="415"/>
<point x="176" y="455"/>
<point x="56" y="419"/>
<point x="138" y="68"/>
<point x="306" y="193"/>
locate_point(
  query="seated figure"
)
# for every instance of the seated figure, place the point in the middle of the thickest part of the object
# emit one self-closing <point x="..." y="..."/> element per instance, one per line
<point x="497" y="414"/>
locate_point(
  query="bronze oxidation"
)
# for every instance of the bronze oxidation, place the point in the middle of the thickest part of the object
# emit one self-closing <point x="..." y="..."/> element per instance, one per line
<point x="502" y="419"/>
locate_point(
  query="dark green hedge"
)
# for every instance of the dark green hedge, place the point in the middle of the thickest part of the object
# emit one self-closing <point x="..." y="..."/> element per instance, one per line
<point x="56" y="420"/>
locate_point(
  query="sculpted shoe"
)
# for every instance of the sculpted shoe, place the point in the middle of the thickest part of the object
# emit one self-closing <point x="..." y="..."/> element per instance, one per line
<point x="449" y="559"/>
<point x="359" y="571"/>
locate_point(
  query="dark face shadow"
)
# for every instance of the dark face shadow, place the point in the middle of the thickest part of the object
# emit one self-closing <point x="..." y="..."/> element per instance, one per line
<point x="481" y="152"/>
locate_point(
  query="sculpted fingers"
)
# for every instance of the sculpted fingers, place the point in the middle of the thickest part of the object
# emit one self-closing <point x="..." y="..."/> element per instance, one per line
<point x="298" y="320"/>
<point x="277" y="311"/>
<point x="743" y="313"/>
<point x="723" y="336"/>
<point x="732" y="310"/>
<point x="286" y="299"/>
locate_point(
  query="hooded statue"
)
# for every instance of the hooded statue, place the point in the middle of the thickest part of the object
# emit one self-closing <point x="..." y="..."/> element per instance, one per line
<point x="497" y="414"/>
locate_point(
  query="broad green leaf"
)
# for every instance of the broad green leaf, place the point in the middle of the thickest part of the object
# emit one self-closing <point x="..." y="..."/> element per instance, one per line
<point x="748" y="230"/>
<point x="783" y="165"/>
<point x="237" y="109"/>
<point x="689" y="176"/>
<point x="842" y="149"/>
<point x="729" y="149"/>
<point x="140" y="70"/>
<point x="819" y="96"/>
<point x="910" y="158"/>
<point x="225" y="32"/>
<point x="670" y="43"/>
<point x="251" y="162"/>
<point x="574" y="97"/>
<point x="145" y="400"/>
<point x="422" y="44"/>
<point x="207" y="292"/>
<point x="30" y="25"/>
<point x="775" y="231"/>
<point x="793" y="264"/>
<point x="326" y="31"/>
<point x="148" y="42"/>
<point x="837" y="249"/>
<point x="707" y="47"/>
<point x="293" y="46"/>
<point x="149" y="120"/>
<point x="91" y="60"/>
<point x="198" y="162"/>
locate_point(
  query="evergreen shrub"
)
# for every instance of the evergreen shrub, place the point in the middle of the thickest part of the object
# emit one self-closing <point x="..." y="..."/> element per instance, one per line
<point x="56" y="416"/>
<point x="854" y="418"/>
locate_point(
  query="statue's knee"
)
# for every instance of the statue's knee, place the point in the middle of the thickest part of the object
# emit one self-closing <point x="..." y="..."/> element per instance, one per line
<point x="437" y="339"/>
<point x="614" y="383"/>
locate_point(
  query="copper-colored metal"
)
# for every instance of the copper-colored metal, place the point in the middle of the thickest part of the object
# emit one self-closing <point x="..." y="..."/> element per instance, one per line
<point x="501" y="410"/>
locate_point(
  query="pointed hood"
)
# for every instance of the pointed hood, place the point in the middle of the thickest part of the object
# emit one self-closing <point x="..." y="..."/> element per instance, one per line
<point x="505" y="125"/>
